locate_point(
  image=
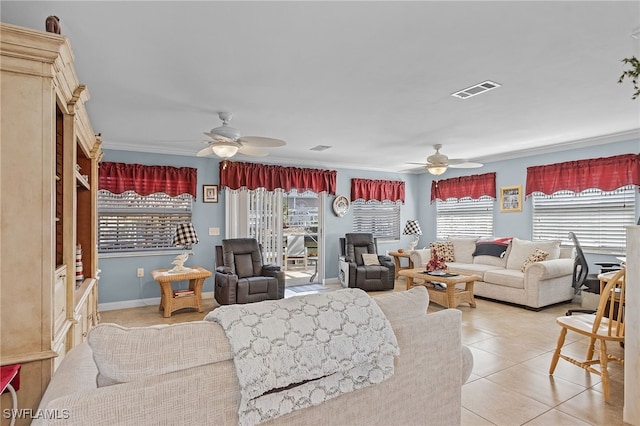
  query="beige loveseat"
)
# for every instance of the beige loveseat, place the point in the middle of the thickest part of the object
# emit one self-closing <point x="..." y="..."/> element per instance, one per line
<point x="541" y="283"/>
<point x="183" y="374"/>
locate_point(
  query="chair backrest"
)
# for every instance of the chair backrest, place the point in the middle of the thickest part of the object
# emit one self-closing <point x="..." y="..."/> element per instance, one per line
<point x="612" y="305"/>
<point x="243" y="256"/>
<point x="358" y="243"/>
<point x="580" y="265"/>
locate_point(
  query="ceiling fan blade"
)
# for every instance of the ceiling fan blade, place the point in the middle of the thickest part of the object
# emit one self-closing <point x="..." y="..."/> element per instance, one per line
<point x="260" y="141"/>
<point x="465" y="165"/>
<point x="253" y="151"/>
<point x="205" y="151"/>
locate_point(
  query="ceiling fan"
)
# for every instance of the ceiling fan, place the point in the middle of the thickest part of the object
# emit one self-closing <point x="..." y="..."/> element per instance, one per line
<point x="438" y="163"/>
<point x="227" y="141"/>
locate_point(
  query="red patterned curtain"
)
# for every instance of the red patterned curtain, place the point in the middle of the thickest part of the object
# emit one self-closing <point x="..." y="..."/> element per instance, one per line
<point x="474" y="186"/>
<point x="144" y="180"/>
<point x="379" y="190"/>
<point x="606" y="174"/>
<point x="236" y="175"/>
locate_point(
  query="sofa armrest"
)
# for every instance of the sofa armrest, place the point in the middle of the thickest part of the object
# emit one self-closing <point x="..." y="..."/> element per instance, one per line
<point x="547" y="269"/>
<point x="419" y="258"/>
<point x="224" y="270"/>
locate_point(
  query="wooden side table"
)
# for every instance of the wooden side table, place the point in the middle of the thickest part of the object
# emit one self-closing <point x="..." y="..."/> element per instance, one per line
<point x="169" y="303"/>
<point x="396" y="258"/>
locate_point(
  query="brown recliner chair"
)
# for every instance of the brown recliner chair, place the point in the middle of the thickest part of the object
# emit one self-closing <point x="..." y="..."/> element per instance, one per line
<point x="241" y="276"/>
<point x="367" y="277"/>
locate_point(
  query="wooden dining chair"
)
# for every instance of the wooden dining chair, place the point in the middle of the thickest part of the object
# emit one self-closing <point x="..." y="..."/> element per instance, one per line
<point x="605" y="325"/>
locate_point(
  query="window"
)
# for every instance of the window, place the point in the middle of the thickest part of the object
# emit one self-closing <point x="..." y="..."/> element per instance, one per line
<point x="130" y="222"/>
<point x="457" y="217"/>
<point x="382" y="219"/>
<point x="597" y="217"/>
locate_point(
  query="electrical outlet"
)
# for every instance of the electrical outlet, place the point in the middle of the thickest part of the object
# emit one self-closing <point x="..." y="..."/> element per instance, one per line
<point x="140" y="272"/>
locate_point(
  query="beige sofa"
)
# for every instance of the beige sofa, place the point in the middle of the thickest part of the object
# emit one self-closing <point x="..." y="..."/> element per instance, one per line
<point x="184" y="374"/>
<point x="541" y="284"/>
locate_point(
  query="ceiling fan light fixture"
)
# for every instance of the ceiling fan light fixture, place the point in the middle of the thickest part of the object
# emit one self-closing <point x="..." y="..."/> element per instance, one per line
<point x="225" y="149"/>
<point x="436" y="169"/>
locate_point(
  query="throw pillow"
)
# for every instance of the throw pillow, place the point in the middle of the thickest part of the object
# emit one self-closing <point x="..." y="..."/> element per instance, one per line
<point x="536" y="256"/>
<point x="521" y="249"/>
<point x="444" y="250"/>
<point x="370" y="259"/>
<point x="496" y="248"/>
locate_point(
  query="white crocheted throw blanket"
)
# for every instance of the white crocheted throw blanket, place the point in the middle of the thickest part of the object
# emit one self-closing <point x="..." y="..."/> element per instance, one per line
<point x="298" y="352"/>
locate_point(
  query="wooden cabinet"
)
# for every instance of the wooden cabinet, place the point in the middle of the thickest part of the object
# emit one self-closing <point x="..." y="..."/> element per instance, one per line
<point x="48" y="185"/>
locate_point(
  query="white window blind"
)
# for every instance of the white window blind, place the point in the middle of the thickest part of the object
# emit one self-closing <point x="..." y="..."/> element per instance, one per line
<point x="130" y="222"/>
<point x="464" y="217"/>
<point x="382" y="219"/>
<point x="596" y="217"/>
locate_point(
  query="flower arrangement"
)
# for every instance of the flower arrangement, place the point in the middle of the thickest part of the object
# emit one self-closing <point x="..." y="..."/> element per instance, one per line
<point x="436" y="263"/>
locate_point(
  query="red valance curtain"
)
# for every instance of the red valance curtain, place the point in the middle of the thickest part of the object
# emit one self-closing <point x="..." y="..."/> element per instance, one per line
<point x="474" y="186"/>
<point x="144" y="180"/>
<point x="379" y="190"/>
<point x="236" y="175"/>
<point x="606" y="174"/>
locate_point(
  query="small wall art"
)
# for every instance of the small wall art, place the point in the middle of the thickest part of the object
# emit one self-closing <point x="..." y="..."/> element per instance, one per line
<point x="209" y="193"/>
<point x="511" y="198"/>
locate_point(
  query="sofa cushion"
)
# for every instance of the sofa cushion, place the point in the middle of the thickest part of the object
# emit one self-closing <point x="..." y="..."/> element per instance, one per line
<point x="444" y="249"/>
<point x="470" y="268"/>
<point x="505" y="277"/>
<point x="126" y="354"/>
<point x="463" y="249"/>
<point x="536" y="256"/>
<point x="522" y="249"/>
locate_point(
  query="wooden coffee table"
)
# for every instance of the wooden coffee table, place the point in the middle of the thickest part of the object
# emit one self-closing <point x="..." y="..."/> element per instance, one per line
<point x="449" y="298"/>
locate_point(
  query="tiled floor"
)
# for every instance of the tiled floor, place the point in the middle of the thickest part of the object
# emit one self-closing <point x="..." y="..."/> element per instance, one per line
<point x="512" y="349"/>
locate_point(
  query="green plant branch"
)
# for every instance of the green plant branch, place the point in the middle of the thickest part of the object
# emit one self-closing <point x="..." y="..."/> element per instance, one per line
<point x="633" y="74"/>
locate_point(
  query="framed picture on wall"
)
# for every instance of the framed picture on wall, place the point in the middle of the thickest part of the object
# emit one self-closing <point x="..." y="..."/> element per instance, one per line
<point x="511" y="198"/>
<point x="209" y="193"/>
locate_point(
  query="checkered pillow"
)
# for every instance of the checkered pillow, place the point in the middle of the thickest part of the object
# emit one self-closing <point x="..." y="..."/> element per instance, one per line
<point x="444" y="250"/>
<point x="536" y="256"/>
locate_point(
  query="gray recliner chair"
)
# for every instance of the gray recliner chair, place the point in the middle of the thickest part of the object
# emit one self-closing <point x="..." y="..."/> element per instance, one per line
<point x="241" y="277"/>
<point x="367" y="277"/>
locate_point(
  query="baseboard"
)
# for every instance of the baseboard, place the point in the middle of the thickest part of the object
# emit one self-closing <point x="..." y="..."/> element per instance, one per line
<point x="138" y="303"/>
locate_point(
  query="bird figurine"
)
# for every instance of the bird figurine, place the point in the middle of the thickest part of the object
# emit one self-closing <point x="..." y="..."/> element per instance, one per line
<point x="179" y="262"/>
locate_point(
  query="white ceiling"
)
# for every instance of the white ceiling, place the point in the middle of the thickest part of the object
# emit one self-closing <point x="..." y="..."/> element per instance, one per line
<point x="371" y="79"/>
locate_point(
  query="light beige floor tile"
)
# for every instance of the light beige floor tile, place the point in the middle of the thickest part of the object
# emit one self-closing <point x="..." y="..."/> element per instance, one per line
<point x="544" y="388"/>
<point x="556" y="418"/>
<point x="512" y="349"/>
<point x="485" y="363"/>
<point x="472" y="419"/>
<point x="498" y="404"/>
<point x="589" y="406"/>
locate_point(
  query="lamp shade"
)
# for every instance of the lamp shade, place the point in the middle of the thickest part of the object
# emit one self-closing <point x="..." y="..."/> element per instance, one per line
<point x="225" y="149"/>
<point x="412" y="227"/>
<point x="185" y="235"/>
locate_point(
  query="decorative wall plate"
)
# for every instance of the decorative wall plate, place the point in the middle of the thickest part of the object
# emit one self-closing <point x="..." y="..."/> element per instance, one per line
<point x="341" y="205"/>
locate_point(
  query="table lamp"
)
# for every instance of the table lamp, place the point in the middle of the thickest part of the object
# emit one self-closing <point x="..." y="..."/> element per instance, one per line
<point x="184" y="236"/>
<point x="412" y="227"/>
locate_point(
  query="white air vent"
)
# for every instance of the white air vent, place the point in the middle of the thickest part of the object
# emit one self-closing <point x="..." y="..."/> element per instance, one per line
<point x="320" y="148"/>
<point x="485" y="86"/>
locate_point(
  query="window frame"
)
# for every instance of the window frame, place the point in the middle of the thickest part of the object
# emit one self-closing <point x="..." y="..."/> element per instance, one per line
<point x="484" y="203"/>
<point x="612" y="213"/>
<point x="141" y="211"/>
<point x="361" y="220"/>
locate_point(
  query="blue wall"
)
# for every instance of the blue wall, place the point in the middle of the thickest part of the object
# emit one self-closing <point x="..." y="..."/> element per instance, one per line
<point x="119" y="284"/>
